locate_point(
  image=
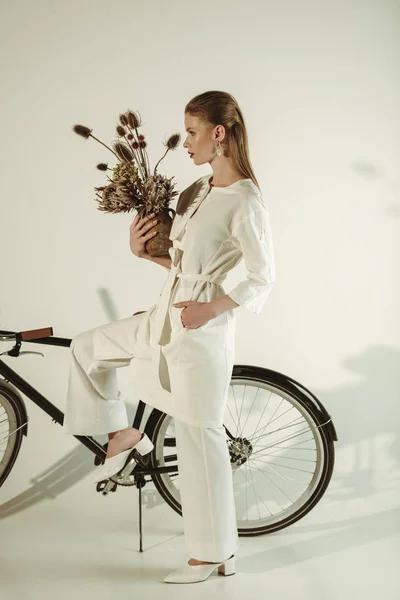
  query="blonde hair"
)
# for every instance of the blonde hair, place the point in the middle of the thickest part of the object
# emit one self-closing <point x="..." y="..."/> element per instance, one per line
<point x="220" y="108"/>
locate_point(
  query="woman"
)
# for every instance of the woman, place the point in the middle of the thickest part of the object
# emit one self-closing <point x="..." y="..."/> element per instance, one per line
<point x="182" y="348"/>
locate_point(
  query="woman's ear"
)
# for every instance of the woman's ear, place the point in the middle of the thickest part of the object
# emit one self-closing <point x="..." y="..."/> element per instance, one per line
<point x="219" y="133"/>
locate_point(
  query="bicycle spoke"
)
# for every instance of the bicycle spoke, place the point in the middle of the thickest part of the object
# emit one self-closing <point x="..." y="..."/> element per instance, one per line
<point x="270" y="418"/>
<point x="250" y="409"/>
<point x="254" y="488"/>
<point x="292" y="424"/>
<point x="233" y="419"/>
<point x="290" y="458"/>
<point x="240" y="414"/>
<point x="275" y="484"/>
<point x="297" y="446"/>
<point x="273" y="464"/>
<point x="256" y="493"/>
<point x="265" y="407"/>
<point x="237" y="428"/>
<point x="284" y="413"/>
<point x="293" y="468"/>
<point x="291" y="437"/>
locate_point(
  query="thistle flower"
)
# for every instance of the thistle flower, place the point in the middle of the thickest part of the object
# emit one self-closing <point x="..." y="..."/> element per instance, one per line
<point x="133" y="120"/>
<point x="123" y="151"/>
<point x="121" y="130"/>
<point x="82" y="130"/>
<point x="173" y="141"/>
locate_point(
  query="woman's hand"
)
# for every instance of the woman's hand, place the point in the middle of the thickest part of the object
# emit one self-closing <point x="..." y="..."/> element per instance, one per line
<point x="140" y="234"/>
<point x="195" y="314"/>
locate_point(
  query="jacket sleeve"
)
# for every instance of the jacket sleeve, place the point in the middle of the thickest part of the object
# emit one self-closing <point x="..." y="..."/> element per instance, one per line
<point x="252" y="235"/>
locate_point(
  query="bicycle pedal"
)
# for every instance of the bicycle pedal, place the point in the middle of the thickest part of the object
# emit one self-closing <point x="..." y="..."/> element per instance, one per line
<point x="100" y="486"/>
<point x="106" y="486"/>
<point x="110" y="486"/>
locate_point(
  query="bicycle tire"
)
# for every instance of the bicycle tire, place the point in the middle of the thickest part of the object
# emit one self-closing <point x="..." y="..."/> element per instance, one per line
<point x="173" y="500"/>
<point x="10" y="401"/>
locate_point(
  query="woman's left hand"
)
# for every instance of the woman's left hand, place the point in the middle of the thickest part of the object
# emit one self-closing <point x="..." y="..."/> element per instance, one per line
<point x="195" y="314"/>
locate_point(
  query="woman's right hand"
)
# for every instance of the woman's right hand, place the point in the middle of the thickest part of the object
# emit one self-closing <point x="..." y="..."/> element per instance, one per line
<point x="140" y="234"/>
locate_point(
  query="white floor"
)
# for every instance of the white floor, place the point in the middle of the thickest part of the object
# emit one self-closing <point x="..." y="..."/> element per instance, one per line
<point x="61" y="539"/>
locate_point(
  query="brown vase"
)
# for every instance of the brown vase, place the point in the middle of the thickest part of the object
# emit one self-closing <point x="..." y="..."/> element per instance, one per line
<point x="160" y="243"/>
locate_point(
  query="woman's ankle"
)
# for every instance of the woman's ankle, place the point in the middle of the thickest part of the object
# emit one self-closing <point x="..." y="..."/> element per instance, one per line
<point x="112" y="434"/>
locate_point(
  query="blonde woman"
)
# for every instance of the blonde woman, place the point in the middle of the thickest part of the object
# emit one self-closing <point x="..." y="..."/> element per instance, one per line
<point x="182" y="348"/>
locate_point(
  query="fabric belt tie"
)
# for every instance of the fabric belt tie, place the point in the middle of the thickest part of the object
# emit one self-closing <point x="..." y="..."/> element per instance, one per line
<point x="218" y="279"/>
<point x="176" y="270"/>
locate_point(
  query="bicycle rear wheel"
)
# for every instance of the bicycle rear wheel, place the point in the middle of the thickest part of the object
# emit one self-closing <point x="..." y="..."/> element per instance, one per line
<point x="11" y="429"/>
<point x="282" y="455"/>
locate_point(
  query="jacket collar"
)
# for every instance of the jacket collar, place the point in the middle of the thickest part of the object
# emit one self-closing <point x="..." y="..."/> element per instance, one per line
<point x="188" y="201"/>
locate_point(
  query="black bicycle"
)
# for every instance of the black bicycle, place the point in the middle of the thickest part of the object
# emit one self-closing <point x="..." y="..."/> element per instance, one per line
<point x="280" y="439"/>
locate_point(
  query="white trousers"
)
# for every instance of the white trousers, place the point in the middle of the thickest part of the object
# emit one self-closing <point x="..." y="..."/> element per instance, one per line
<point x="94" y="406"/>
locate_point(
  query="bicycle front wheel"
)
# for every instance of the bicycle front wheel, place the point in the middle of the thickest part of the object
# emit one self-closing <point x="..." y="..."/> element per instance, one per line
<point x="282" y="456"/>
<point x="11" y="430"/>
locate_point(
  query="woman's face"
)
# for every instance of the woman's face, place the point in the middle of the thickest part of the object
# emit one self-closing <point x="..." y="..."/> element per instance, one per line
<point x="199" y="141"/>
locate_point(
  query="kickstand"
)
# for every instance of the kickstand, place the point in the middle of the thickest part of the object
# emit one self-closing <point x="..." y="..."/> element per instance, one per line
<point x="140" y="483"/>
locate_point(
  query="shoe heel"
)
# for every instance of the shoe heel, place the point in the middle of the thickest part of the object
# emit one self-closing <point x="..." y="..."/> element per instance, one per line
<point x="144" y="445"/>
<point x="228" y="568"/>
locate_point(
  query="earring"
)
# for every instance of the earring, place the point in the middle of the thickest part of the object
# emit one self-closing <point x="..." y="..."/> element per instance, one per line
<point x="219" y="148"/>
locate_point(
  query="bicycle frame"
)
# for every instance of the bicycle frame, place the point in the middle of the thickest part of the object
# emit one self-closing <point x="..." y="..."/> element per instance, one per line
<point x="57" y="415"/>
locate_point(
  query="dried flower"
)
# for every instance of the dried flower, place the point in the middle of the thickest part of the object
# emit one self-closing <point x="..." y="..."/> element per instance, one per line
<point x="173" y="141"/>
<point x="126" y="173"/>
<point x="133" y="120"/>
<point x="131" y="185"/>
<point x="123" y="151"/>
<point x="82" y="130"/>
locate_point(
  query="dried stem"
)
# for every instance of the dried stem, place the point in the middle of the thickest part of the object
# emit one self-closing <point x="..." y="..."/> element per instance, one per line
<point x="144" y="157"/>
<point x="102" y="143"/>
<point x="142" y="164"/>
<point x="155" y="168"/>
<point x="134" y="152"/>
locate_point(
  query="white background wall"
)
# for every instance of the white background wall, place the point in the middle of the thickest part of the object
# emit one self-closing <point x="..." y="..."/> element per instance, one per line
<point x="318" y="84"/>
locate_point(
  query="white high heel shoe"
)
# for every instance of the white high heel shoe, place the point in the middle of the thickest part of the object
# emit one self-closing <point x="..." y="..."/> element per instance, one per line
<point x="117" y="463"/>
<point x="195" y="573"/>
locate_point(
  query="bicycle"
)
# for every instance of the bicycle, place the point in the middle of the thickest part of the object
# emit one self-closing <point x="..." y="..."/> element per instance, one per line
<point x="291" y="413"/>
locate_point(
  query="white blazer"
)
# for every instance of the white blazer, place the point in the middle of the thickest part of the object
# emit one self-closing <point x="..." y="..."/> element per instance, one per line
<point x="186" y="372"/>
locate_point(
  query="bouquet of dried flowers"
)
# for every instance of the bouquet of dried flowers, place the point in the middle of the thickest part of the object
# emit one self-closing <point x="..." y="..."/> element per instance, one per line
<point x="131" y="185"/>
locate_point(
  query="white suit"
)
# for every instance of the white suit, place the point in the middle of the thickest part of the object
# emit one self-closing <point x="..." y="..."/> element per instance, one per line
<point x="185" y="372"/>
